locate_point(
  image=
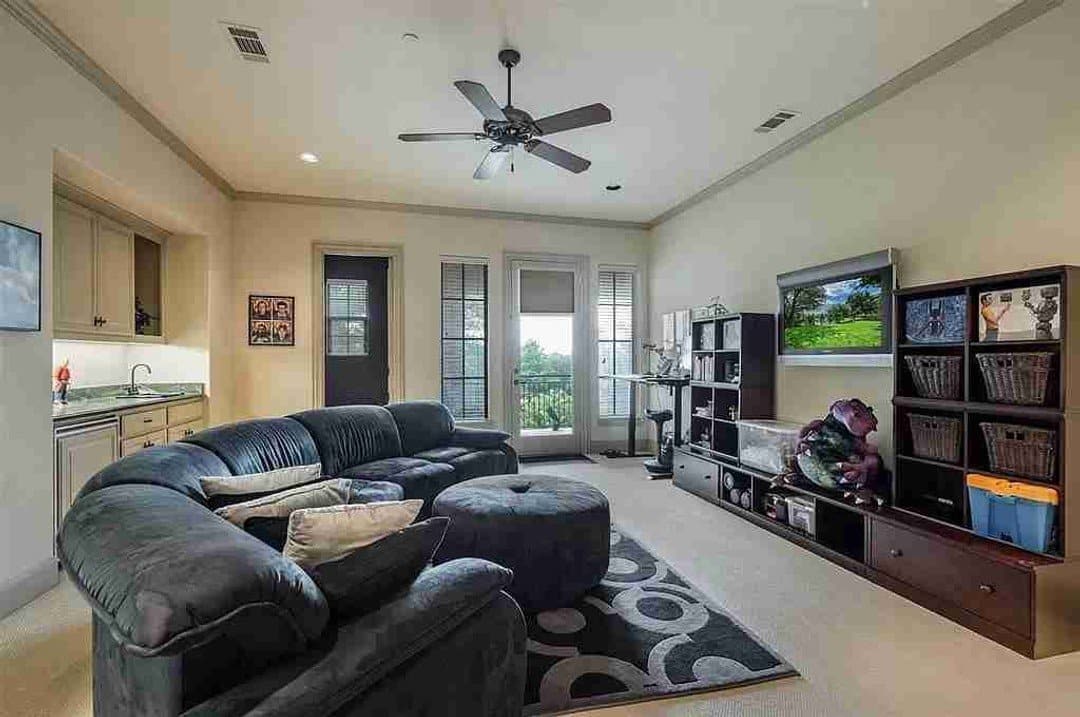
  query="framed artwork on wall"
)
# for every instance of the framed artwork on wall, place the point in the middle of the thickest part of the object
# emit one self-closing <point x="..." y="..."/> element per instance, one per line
<point x="271" y="320"/>
<point x="20" y="278"/>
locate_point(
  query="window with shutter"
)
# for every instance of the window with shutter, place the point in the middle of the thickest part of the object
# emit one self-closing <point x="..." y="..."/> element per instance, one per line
<point x="465" y="340"/>
<point x="615" y="340"/>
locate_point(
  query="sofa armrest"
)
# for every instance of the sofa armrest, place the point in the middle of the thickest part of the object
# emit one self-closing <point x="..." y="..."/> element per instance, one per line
<point x="466" y="437"/>
<point x="369" y="647"/>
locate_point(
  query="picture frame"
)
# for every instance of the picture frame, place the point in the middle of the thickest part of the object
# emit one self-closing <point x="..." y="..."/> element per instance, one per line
<point x="937" y="320"/>
<point x="1025" y="313"/>
<point x="271" y="320"/>
<point x="20" y="278"/>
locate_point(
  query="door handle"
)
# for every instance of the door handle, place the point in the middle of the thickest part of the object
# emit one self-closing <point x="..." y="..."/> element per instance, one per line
<point x="988" y="589"/>
<point x="896" y="552"/>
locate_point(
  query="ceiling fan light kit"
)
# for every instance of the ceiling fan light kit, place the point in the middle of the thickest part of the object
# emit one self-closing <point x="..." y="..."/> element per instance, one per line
<point x="508" y="127"/>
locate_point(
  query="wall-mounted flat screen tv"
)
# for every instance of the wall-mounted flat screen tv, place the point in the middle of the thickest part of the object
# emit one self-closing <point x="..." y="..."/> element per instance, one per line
<point x="20" y="278"/>
<point x="837" y="310"/>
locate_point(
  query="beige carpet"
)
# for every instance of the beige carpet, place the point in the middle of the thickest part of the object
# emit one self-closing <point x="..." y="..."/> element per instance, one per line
<point x="862" y="650"/>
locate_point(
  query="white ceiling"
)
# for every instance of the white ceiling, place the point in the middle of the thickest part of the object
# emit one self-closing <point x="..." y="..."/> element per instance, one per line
<point x="686" y="80"/>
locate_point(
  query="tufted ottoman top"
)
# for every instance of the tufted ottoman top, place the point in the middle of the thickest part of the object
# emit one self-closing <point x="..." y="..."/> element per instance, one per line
<point x="521" y="496"/>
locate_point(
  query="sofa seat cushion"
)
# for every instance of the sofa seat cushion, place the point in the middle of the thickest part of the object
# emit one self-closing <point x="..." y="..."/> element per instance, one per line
<point x="482" y="462"/>
<point x="166" y="574"/>
<point x="442" y="454"/>
<point x="351" y="435"/>
<point x="260" y="445"/>
<point x="417" y="478"/>
<point x="177" y="466"/>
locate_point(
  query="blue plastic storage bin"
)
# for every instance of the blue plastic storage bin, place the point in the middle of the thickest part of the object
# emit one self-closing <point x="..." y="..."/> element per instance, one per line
<point x="1017" y="512"/>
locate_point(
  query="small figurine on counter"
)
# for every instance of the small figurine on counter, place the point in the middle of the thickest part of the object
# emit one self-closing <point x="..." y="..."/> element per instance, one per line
<point x="61" y="381"/>
<point x="833" y="453"/>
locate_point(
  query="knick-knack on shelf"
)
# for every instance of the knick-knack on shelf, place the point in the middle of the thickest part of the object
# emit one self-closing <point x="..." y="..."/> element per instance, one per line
<point x="61" y="381"/>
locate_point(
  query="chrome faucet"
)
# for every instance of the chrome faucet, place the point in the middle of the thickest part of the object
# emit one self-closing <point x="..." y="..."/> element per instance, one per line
<point x="133" y="389"/>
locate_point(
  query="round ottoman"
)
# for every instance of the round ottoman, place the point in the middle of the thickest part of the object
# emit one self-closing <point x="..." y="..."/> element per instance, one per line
<point x="553" y="532"/>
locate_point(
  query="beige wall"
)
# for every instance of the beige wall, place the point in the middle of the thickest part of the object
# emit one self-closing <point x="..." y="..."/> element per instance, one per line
<point x="52" y="120"/>
<point x="975" y="171"/>
<point x="273" y="244"/>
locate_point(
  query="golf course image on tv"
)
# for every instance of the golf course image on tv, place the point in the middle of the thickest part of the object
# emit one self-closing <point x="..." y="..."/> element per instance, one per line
<point x="835" y="315"/>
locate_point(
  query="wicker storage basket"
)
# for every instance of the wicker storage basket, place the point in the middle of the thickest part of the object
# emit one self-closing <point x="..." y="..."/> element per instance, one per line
<point x="1016" y="378"/>
<point x="935" y="437"/>
<point x="1021" y="450"/>
<point x="935" y="376"/>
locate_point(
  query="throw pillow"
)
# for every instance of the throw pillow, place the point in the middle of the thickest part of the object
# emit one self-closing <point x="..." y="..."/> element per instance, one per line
<point x="317" y="535"/>
<point x="226" y="490"/>
<point x="267" y="518"/>
<point x="357" y="582"/>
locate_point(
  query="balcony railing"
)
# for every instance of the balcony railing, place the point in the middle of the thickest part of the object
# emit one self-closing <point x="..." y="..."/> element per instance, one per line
<point x="547" y="402"/>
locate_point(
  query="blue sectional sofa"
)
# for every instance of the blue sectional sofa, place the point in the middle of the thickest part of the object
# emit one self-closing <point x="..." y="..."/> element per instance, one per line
<point x="194" y="616"/>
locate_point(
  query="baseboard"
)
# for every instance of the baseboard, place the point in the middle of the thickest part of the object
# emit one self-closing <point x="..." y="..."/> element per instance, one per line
<point x="23" y="588"/>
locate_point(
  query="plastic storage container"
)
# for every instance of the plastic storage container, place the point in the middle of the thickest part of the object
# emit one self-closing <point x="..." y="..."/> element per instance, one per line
<point x="800" y="513"/>
<point x="768" y="445"/>
<point x="1017" y="512"/>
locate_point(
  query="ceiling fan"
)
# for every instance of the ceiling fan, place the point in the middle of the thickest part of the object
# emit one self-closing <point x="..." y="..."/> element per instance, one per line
<point x="510" y="127"/>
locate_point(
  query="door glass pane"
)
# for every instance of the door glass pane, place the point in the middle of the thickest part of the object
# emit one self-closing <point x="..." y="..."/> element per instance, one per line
<point x="546" y="380"/>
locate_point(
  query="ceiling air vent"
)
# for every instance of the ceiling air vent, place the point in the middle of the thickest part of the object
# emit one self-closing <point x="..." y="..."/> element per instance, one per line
<point x="775" y="121"/>
<point x="247" y="42"/>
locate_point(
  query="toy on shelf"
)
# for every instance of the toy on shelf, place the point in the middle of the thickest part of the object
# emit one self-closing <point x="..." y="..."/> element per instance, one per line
<point x="833" y="453"/>
<point x="61" y="382"/>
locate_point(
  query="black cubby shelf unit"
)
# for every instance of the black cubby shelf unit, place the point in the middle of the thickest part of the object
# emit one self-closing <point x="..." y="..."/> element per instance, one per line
<point x="937" y="489"/>
<point x="732" y="377"/>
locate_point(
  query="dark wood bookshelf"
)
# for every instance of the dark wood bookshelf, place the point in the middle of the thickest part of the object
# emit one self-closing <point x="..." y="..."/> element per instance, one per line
<point x="922" y="545"/>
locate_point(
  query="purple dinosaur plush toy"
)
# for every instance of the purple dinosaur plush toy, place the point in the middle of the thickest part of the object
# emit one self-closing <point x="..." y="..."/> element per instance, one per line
<point x="833" y="452"/>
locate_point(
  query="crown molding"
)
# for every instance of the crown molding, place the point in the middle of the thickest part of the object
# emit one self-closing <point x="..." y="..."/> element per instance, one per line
<point x="1017" y="16"/>
<point x="435" y="210"/>
<point x="33" y="19"/>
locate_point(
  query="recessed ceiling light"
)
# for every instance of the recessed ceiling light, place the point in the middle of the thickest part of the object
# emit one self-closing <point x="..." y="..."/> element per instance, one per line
<point x="613" y="187"/>
<point x="309" y="157"/>
<point x="410" y="37"/>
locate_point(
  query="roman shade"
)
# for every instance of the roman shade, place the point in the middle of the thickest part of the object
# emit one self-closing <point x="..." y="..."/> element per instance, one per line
<point x="547" y="292"/>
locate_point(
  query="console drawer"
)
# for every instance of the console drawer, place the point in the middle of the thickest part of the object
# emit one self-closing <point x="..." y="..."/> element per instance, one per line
<point x="698" y="476"/>
<point x="991" y="590"/>
<point x="143" y="422"/>
<point x="185" y="412"/>
<point x="134" y="445"/>
<point x="182" y="431"/>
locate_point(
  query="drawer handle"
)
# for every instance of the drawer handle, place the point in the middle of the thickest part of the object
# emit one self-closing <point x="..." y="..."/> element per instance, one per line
<point x="988" y="589"/>
<point x="148" y="444"/>
<point x="707" y="476"/>
<point x="896" y="552"/>
<point x="188" y="432"/>
<point x="148" y="420"/>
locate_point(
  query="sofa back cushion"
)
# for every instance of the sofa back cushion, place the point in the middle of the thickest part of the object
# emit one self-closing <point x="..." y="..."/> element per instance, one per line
<point x="165" y="574"/>
<point x="349" y="436"/>
<point x="177" y="466"/>
<point x="422" y="425"/>
<point x="259" y="445"/>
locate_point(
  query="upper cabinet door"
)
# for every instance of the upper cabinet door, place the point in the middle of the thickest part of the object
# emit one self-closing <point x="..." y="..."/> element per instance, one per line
<point x="73" y="268"/>
<point x="114" y="272"/>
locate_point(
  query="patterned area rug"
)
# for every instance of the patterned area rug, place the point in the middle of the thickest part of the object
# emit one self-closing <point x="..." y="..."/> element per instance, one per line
<point x="643" y="633"/>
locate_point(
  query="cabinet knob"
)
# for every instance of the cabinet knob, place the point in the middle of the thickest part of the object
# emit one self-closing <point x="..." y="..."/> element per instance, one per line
<point x="988" y="589"/>
<point x="896" y="552"/>
<point x="189" y="432"/>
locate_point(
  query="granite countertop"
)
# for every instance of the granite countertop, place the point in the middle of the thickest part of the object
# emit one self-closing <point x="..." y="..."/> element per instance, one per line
<point x="85" y="402"/>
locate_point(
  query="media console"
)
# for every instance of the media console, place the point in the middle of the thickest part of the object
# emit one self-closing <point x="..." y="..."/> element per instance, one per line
<point x="1027" y="601"/>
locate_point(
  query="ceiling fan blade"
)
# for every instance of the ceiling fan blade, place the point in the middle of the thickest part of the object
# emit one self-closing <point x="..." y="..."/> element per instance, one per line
<point x="555" y="155"/>
<point x="481" y="99"/>
<point x="439" y="136"/>
<point x="572" y="119"/>
<point x="492" y="163"/>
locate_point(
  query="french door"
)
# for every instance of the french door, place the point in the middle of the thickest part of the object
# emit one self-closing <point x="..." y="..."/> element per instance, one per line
<point x="547" y="337"/>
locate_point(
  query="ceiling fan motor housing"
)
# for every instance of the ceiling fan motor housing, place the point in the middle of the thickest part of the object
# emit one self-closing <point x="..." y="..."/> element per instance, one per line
<point x="518" y="128"/>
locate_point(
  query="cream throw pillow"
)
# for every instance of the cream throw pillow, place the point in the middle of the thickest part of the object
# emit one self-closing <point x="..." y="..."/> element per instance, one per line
<point x="317" y="535"/>
<point x="280" y="505"/>
<point x="268" y="482"/>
